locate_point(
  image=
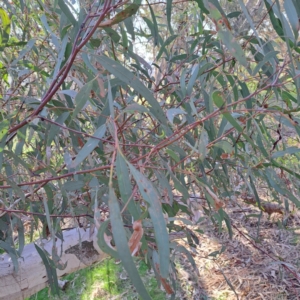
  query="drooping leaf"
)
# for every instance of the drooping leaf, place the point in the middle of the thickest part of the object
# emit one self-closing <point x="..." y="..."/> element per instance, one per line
<point x="125" y="186"/>
<point x="233" y="46"/>
<point x="82" y="97"/>
<point x="126" y="76"/>
<point x="169" y="14"/>
<point x="122" y="244"/>
<point x="121" y="16"/>
<point x="173" y="112"/>
<point x="73" y="185"/>
<point x="103" y="243"/>
<point x="51" y="271"/>
<point x="4" y="125"/>
<point x="66" y="10"/>
<point x="289" y="150"/>
<point x="4" y="27"/>
<point x="151" y="196"/>
<point x="155" y="26"/>
<point x="89" y="146"/>
<point x="12" y="253"/>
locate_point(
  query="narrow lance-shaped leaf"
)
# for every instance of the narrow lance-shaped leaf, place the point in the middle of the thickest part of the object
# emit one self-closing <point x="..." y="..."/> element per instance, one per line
<point x="102" y="240"/>
<point x="169" y="14"/>
<point x="151" y="196"/>
<point x="54" y="129"/>
<point x="4" y="27"/>
<point x="23" y="52"/>
<point x="225" y="35"/>
<point x="221" y="103"/>
<point x="51" y="271"/>
<point x="129" y="78"/>
<point x="125" y="186"/>
<point x="12" y="253"/>
<point x="121" y="16"/>
<point x="162" y="49"/>
<point x="89" y="146"/>
<point x="65" y="9"/>
<point x="155" y="26"/>
<point x="290" y="150"/>
<point x="82" y="97"/>
<point x="122" y="244"/>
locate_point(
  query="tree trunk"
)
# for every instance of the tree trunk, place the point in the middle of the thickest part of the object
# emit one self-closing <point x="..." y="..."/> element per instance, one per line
<point x="31" y="276"/>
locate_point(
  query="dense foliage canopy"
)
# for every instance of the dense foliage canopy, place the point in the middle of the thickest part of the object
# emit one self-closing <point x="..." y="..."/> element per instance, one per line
<point x="126" y="115"/>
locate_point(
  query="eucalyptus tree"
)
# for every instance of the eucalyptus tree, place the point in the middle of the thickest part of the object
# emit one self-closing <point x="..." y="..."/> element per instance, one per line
<point x="96" y="130"/>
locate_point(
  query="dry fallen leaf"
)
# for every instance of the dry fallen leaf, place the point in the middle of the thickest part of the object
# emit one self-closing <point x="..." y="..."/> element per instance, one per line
<point x="134" y="242"/>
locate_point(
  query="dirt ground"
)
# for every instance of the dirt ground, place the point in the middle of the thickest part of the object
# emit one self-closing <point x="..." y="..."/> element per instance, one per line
<point x="261" y="261"/>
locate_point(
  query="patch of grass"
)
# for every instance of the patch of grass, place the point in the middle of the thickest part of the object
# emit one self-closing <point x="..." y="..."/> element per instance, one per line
<point x="103" y="282"/>
<point x="97" y="282"/>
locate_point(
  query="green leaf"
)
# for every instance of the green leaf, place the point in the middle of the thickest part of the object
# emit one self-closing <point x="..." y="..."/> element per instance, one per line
<point x="155" y="27"/>
<point x="22" y="53"/>
<point x="173" y="155"/>
<point x="249" y="19"/>
<point x="129" y="27"/>
<point x="173" y="112"/>
<point x="177" y="184"/>
<point x="12" y="253"/>
<point x="54" y="129"/>
<point x="129" y="78"/>
<point x="82" y="97"/>
<point x="267" y="58"/>
<point x="277" y="23"/>
<point x="233" y="46"/>
<point x="4" y="27"/>
<point x="73" y="185"/>
<point x="278" y="186"/>
<point x="136" y="108"/>
<point x="89" y="146"/>
<point x="164" y="182"/>
<point x="226" y="218"/>
<point x="224" y="145"/>
<point x="126" y="13"/>
<point x="192" y="80"/>
<point x="113" y="34"/>
<point x="4" y="126"/>
<point x="65" y="9"/>
<point x="290" y="150"/>
<point x="60" y="56"/>
<point x="203" y="142"/>
<point x="292" y="15"/>
<point x="151" y="196"/>
<point x="102" y="243"/>
<point x="220" y="102"/>
<point x="21" y="235"/>
<point x="162" y="49"/>
<point x="202" y="6"/>
<point x="233" y="14"/>
<point x="169" y="14"/>
<point x="51" y="271"/>
<point x="16" y="189"/>
<point x="120" y="239"/>
<point x="125" y="186"/>
<point x="218" y="99"/>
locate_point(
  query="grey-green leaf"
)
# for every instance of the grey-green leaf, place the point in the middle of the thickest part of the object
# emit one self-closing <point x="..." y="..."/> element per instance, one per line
<point x="129" y="78"/>
<point x="82" y="97"/>
<point x="89" y="146"/>
<point x="122" y="245"/>
<point x="290" y="150"/>
<point x="125" y="186"/>
<point x="151" y="196"/>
